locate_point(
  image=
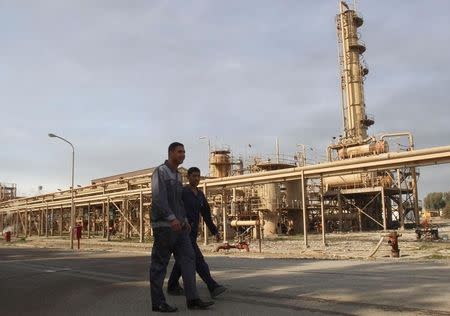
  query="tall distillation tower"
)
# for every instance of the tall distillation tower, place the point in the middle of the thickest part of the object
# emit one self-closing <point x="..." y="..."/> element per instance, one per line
<point x="353" y="71"/>
<point x="381" y="189"/>
<point x="355" y="140"/>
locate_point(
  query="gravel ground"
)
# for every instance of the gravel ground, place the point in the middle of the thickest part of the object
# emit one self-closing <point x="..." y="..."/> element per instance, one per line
<point x="339" y="246"/>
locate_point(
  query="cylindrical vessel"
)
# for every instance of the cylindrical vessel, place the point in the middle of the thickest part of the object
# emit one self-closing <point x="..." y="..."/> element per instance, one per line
<point x="270" y="194"/>
<point x="373" y="148"/>
<point x="236" y="223"/>
<point x="347" y="181"/>
<point x="220" y="163"/>
<point x="271" y="220"/>
<point x="356" y="121"/>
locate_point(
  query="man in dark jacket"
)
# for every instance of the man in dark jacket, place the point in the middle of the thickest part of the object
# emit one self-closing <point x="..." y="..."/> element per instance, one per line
<point x="196" y="204"/>
<point x="171" y="233"/>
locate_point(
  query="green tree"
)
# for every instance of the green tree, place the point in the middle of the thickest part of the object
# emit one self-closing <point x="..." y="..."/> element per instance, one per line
<point x="447" y="198"/>
<point x="435" y="201"/>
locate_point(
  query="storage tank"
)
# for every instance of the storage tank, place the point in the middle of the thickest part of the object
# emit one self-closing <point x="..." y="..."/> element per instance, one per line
<point x="365" y="179"/>
<point x="270" y="227"/>
<point x="294" y="207"/>
<point x="220" y="163"/>
<point x="270" y="195"/>
<point x="348" y="181"/>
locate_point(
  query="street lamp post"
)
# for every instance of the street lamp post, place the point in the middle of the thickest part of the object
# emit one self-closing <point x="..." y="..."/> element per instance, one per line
<point x="209" y="149"/>
<point x="72" y="212"/>
<point x="205" y="231"/>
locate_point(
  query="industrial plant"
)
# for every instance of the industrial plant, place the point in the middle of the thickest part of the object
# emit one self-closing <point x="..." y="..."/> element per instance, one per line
<point x="364" y="184"/>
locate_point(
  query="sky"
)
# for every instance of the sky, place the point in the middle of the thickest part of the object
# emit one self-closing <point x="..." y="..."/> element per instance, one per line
<point x="123" y="79"/>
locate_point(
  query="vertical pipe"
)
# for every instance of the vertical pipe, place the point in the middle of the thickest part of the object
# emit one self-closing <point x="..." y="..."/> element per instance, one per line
<point x="41" y="222"/>
<point x="72" y="211"/>
<point x="26" y="224"/>
<point x="341" y="215"/>
<point x="305" y="228"/>
<point x="61" y="221"/>
<point x="21" y="222"/>
<point x="29" y="224"/>
<point x="383" y="208"/>
<point x="341" y="65"/>
<point x="14" y="223"/>
<point x="141" y="218"/>
<point x="17" y="223"/>
<point x="345" y="73"/>
<point x="322" y="211"/>
<point x="89" y="220"/>
<point x="52" y="214"/>
<point x="233" y="203"/>
<point x="128" y="229"/>
<point x="401" y="214"/>
<point x="258" y="235"/>
<point x="224" y="214"/>
<point x="416" y="196"/>
<point x="46" y="221"/>
<point x="94" y="221"/>
<point x="125" y="215"/>
<point x="104" y="219"/>
<point x="108" y="237"/>
<point x="360" y="220"/>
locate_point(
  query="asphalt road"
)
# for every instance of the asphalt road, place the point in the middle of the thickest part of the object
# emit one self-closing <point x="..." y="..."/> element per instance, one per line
<point x="56" y="282"/>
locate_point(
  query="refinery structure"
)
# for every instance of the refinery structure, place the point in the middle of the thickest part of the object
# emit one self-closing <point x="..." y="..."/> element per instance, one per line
<point x="364" y="184"/>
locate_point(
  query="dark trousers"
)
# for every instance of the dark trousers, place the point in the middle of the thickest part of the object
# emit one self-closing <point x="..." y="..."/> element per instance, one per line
<point x="200" y="265"/>
<point x="166" y="242"/>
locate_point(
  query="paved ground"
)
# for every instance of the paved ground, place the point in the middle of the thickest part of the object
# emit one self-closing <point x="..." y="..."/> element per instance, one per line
<point x="57" y="282"/>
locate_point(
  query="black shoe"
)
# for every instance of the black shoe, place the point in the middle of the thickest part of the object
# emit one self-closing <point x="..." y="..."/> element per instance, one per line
<point x="176" y="291"/>
<point x="164" y="308"/>
<point x="198" y="304"/>
<point x="217" y="291"/>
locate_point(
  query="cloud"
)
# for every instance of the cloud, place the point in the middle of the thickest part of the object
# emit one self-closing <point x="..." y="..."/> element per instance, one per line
<point x="124" y="80"/>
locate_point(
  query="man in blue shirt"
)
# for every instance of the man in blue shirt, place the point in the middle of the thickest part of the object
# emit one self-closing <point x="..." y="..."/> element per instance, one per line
<point x="171" y="233"/>
<point x="196" y="204"/>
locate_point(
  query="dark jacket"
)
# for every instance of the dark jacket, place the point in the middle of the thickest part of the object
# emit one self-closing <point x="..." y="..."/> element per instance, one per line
<point x="196" y="205"/>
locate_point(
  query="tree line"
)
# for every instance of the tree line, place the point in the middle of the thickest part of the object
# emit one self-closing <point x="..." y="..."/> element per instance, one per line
<point x="436" y="201"/>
